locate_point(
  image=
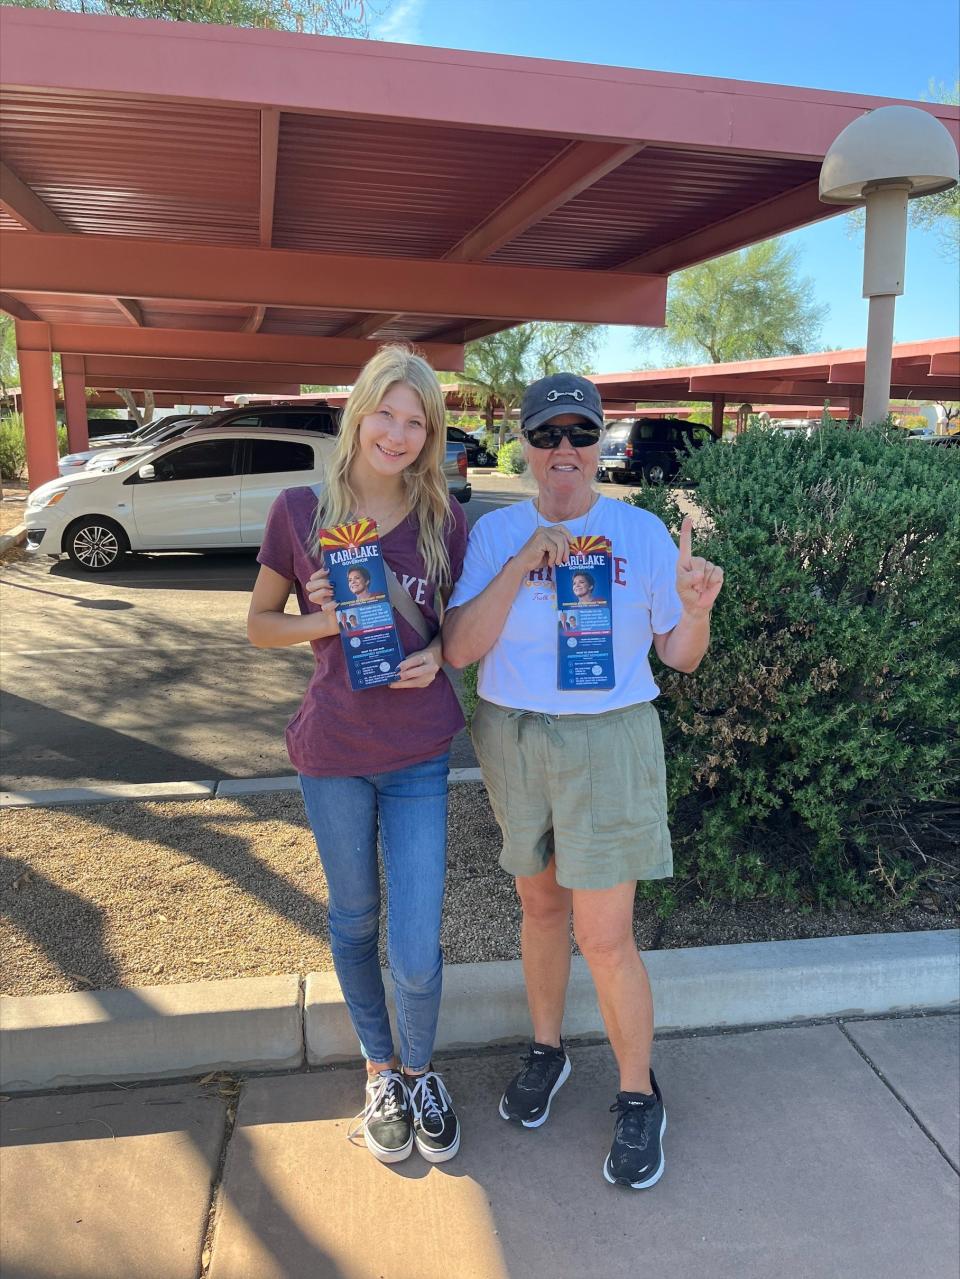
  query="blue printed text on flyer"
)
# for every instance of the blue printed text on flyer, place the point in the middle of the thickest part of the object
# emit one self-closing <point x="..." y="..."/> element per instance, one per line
<point x="585" y="616"/>
<point x="371" y="645"/>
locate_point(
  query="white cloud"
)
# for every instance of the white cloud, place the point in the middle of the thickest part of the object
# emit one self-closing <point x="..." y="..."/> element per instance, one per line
<point x="401" y="23"/>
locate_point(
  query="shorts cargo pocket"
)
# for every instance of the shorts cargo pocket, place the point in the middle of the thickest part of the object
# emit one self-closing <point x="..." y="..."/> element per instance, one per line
<point x="487" y="735"/>
<point x="625" y="759"/>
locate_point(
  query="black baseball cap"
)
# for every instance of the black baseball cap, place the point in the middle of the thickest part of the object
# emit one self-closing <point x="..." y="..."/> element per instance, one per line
<point x="560" y="393"/>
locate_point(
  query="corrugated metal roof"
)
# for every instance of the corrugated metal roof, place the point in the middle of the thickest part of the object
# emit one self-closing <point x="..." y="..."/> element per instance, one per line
<point x="124" y="166"/>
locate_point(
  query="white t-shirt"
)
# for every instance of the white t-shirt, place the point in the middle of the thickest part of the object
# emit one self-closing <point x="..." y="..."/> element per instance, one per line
<point x="520" y="671"/>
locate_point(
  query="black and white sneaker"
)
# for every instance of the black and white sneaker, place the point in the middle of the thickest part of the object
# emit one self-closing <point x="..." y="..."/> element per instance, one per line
<point x="436" y="1129"/>
<point x="528" y="1096"/>
<point x="385" y="1120"/>
<point x="636" y="1156"/>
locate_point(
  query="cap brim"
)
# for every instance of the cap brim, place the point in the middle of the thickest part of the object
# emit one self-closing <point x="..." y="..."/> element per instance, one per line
<point x="561" y="410"/>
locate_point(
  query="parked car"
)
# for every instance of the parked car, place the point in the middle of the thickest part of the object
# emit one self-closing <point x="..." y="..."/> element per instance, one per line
<point x="455" y="469"/>
<point x="943" y="441"/>
<point x="209" y="490"/>
<point x="142" y="438"/>
<point x="108" y="459"/>
<point x="651" y="448"/>
<point x="477" y="453"/>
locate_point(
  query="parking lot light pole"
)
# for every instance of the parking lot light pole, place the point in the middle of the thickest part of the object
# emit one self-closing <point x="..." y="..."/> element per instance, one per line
<point x="882" y="160"/>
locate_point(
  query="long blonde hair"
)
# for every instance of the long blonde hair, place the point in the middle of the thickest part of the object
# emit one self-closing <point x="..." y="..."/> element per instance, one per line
<point x="426" y="487"/>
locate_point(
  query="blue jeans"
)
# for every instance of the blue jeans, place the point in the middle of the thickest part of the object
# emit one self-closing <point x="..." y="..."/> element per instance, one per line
<point x="410" y="807"/>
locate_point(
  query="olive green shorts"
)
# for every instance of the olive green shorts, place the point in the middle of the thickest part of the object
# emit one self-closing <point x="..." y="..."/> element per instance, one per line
<point x="589" y="790"/>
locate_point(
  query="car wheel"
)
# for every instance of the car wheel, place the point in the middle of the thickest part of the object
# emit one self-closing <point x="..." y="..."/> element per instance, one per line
<point x="96" y="544"/>
<point x="484" y="459"/>
<point x="654" y="473"/>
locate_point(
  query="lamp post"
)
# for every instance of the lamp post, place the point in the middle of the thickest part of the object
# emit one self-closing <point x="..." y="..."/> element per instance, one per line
<point x="883" y="159"/>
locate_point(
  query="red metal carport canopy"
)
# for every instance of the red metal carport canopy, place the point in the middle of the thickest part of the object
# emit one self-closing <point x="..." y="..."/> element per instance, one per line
<point x="921" y="371"/>
<point x="207" y="209"/>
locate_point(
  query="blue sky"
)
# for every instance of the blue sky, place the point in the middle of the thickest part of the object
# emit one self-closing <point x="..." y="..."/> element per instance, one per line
<point x="882" y="47"/>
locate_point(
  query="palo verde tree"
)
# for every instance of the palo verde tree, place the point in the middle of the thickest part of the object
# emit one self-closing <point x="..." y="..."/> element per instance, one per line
<point x="742" y="306"/>
<point x="498" y="367"/>
<point x="315" y="17"/>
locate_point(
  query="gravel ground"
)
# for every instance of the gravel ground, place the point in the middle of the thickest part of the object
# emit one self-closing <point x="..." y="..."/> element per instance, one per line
<point x="140" y="894"/>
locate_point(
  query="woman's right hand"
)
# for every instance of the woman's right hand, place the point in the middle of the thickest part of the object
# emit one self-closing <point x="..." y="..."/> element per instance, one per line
<point x="319" y="591"/>
<point x="547" y="546"/>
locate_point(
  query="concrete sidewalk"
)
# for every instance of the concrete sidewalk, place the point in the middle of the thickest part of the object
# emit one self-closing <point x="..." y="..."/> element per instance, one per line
<point x="811" y="1152"/>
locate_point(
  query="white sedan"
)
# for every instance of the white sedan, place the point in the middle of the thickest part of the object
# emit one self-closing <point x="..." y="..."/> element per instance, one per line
<point x="207" y="490"/>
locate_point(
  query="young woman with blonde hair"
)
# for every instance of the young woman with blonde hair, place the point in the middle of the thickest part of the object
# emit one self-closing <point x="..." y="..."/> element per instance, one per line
<point x="376" y="761"/>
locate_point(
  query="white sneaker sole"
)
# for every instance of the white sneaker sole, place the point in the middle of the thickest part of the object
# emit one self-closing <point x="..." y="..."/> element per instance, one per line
<point x="650" y="1181"/>
<point x="439" y="1156"/>
<point x="536" y="1123"/>
<point x="387" y="1156"/>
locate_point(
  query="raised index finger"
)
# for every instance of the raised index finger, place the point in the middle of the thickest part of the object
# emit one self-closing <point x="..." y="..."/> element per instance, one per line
<point x="686" y="542"/>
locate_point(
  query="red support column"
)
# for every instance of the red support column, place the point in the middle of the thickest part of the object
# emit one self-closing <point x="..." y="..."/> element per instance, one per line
<point x="39" y="412"/>
<point x="716" y="417"/>
<point x="75" y="402"/>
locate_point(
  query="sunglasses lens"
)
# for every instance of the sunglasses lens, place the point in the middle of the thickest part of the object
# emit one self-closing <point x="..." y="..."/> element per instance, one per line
<point x="549" y="437"/>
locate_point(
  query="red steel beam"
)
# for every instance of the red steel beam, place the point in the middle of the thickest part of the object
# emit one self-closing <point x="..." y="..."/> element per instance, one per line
<point x="111" y="266"/>
<point x="126" y="367"/>
<point x="947" y="365"/>
<point x="185" y="387"/>
<point x="795" y="208"/>
<point x="130" y="309"/>
<point x="576" y="168"/>
<point x="579" y="166"/>
<point x="25" y="206"/>
<point x="215" y="344"/>
<point x="269" y="143"/>
<point x="373" y="79"/>
<point x="919" y="386"/>
<point x="18" y="309"/>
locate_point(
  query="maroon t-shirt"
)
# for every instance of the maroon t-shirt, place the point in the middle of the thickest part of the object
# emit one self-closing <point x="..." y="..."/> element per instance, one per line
<point x="338" y="732"/>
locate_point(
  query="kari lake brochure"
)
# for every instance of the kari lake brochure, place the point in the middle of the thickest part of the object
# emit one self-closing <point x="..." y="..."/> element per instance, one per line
<point x="367" y="630"/>
<point x="585" y="616"/>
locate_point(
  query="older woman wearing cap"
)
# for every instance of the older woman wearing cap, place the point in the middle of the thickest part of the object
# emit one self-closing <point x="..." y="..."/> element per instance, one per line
<point x="576" y="775"/>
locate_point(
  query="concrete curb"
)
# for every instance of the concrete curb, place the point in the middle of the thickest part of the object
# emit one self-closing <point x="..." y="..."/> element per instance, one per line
<point x="226" y="789"/>
<point x="106" y="793"/>
<point x="260" y="1023"/>
<point x="694" y="989"/>
<point x="150" y="1032"/>
<point x="16" y="537"/>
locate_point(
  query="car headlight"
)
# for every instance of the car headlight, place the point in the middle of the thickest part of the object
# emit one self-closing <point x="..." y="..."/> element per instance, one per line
<point x="37" y="501"/>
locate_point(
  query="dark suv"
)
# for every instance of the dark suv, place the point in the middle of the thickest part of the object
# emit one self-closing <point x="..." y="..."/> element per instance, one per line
<point x="477" y="454"/>
<point x="280" y="417"/>
<point x="651" y="448"/>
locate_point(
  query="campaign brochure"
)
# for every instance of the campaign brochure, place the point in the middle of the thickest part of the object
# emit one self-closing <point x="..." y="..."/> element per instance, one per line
<point x="371" y="645"/>
<point x="585" y="615"/>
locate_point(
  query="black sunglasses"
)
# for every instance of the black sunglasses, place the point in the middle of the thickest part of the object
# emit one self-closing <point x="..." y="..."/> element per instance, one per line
<point x="581" y="435"/>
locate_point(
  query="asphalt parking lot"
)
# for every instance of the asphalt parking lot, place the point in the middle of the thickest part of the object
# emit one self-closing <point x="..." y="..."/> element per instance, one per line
<point x="146" y="674"/>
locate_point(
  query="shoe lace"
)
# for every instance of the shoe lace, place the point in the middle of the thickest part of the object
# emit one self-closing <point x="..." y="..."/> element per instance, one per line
<point x="390" y="1098"/>
<point x="430" y="1097"/>
<point x="633" y="1123"/>
<point x="535" y="1071"/>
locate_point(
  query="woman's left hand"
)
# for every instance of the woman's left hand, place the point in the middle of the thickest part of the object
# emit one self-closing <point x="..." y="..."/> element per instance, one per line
<point x="698" y="581"/>
<point x="419" y="670"/>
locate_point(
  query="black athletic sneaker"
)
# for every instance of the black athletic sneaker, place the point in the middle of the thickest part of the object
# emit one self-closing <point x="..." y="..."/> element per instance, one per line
<point x="636" y="1156"/>
<point x="528" y="1096"/>
<point x="386" y="1120"/>
<point x="436" y="1129"/>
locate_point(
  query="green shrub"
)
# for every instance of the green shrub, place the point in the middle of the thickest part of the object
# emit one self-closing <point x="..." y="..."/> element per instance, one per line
<point x="510" y="458"/>
<point x="13" y="453"/>
<point x="825" y="717"/>
<point x="468" y="690"/>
